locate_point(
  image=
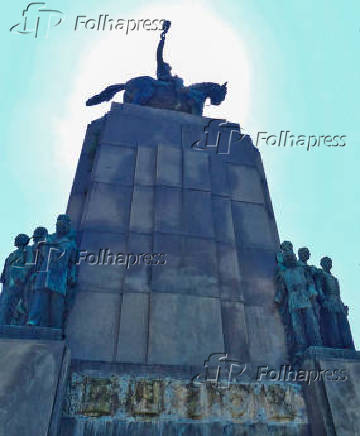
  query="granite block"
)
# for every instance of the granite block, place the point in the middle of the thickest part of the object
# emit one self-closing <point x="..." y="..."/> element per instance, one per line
<point x="197" y="214"/>
<point x="229" y="273"/>
<point x="245" y="184"/>
<point x="142" y="210"/>
<point x="99" y="262"/>
<point x="252" y="227"/>
<point x="145" y="169"/>
<point x="108" y="208"/>
<point x="114" y="164"/>
<point x="138" y="275"/>
<point x="184" y="329"/>
<point x="168" y="210"/>
<point x="198" y="273"/>
<point x="133" y="335"/>
<point x="169" y="166"/>
<point x="196" y="170"/>
<point x="92" y="326"/>
<point x="224" y="226"/>
<point x="219" y="176"/>
<point x="167" y="278"/>
<point x="235" y="330"/>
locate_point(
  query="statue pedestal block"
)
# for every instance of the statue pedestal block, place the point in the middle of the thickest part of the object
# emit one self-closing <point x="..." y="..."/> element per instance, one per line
<point x="32" y="381"/>
<point x="334" y="400"/>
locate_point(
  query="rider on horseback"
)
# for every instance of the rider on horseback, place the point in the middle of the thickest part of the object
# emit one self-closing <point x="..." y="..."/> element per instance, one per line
<point x="165" y="92"/>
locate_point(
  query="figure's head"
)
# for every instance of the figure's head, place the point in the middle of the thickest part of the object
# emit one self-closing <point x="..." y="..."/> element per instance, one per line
<point x="304" y="254"/>
<point x="21" y="240"/>
<point x="219" y="94"/>
<point x="289" y="259"/>
<point x="63" y="224"/>
<point x="326" y="264"/>
<point x="287" y="246"/>
<point x="40" y="233"/>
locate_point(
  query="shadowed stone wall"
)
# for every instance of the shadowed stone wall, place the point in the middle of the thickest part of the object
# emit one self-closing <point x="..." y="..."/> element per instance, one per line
<point x="141" y="187"/>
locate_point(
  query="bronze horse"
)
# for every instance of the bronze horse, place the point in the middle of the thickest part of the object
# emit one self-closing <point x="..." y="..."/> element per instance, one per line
<point x="148" y="91"/>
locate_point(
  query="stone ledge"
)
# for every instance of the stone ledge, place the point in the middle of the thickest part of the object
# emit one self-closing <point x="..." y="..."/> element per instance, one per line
<point x="30" y="332"/>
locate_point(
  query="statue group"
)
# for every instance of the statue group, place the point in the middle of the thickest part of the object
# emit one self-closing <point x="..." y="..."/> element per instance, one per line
<point x="310" y="304"/>
<point x="37" y="279"/>
<point x="165" y="92"/>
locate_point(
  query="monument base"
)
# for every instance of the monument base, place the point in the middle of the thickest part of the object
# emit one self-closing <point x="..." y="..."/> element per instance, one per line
<point x="32" y="379"/>
<point x="334" y="400"/>
<point x="134" y="400"/>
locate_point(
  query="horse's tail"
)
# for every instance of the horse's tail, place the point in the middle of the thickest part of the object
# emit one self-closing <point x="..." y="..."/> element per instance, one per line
<point x="105" y="95"/>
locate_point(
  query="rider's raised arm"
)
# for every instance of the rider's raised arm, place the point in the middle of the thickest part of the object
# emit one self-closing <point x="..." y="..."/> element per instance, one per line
<point x="159" y="54"/>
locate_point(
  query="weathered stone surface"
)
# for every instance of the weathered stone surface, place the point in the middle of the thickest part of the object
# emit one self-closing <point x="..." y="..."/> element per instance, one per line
<point x="169" y="166"/>
<point x="129" y="125"/>
<point x="231" y="286"/>
<point x="108" y="208"/>
<point x="196" y="170"/>
<point x="256" y="262"/>
<point x="29" y="373"/>
<point x="138" y="276"/>
<point x="252" y="228"/>
<point x="142" y="210"/>
<point x="30" y="332"/>
<point x="114" y="167"/>
<point x="164" y="406"/>
<point x="259" y="289"/>
<point x="186" y="332"/>
<point x="198" y="273"/>
<point x="224" y="225"/>
<point x="98" y="271"/>
<point x="133" y="335"/>
<point x="197" y="213"/>
<point x="335" y="399"/>
<point x="92" y="325"/>
<point x="106" y="427"/>
<point x="168" y="210"/>
<point x="190" y="265"/>
<point x="167" y="278"/>
<point x="245" y="184"/>
<point x="219" y="176"/>
<point x="201" y="208"/>
<point x="145" y="166"/>
<point x="265" y="349"/>
<point x="235" y="331"/>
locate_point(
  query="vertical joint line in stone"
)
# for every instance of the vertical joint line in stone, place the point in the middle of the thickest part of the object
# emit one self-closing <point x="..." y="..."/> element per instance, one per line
<point x="122" y="280"/>
<point x="219" y="281"/>
<point x="183" y="230"/>
<point x="154" y="187"/>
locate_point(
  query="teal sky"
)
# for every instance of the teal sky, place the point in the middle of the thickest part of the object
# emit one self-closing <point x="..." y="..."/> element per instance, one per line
<point x="304" y="68"/>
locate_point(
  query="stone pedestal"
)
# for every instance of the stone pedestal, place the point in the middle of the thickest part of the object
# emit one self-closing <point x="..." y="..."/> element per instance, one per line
<point x="192" y="188"/>
<point x="334" y="399"/>
<point x="33" y="375"/>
